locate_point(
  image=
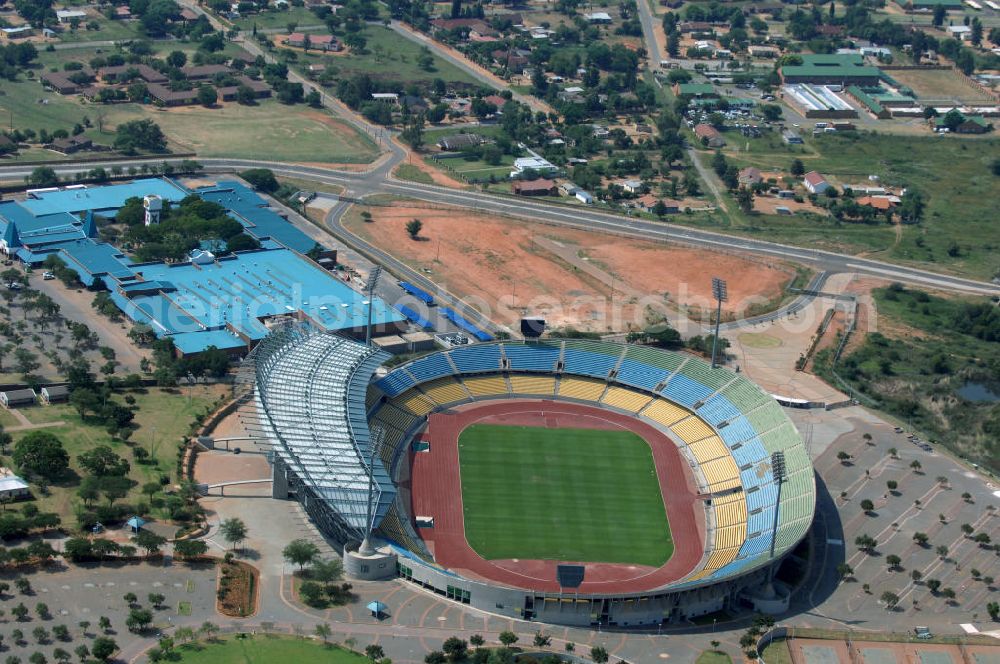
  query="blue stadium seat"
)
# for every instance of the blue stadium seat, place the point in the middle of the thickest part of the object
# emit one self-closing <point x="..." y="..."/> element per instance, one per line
<point x="685" y="391"/>
<point x="476" y="358"/>
<point x="395" y="383"/>
<point x="718" y="409"/>
<point x="582" y="362"/>
<point x="532" y="357"/>
<point x="640" y="374"/>
<point x="430" y="367"/>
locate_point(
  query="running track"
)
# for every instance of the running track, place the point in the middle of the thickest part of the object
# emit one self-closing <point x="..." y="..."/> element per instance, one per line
<point x="437" y="490"/>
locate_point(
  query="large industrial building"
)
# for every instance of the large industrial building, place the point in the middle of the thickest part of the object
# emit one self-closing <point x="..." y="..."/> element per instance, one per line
<point x="226" y="301"/>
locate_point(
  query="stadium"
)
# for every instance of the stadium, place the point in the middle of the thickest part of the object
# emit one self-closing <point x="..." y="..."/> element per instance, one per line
<point x="564" y="481"/>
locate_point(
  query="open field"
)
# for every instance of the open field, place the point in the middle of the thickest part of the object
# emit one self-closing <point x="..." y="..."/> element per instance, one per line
<point x="264" y="649"/>
<point x="162" y="418"/>
<point x="268" y="130"/>
<point x="952" y="174"/>
<point x="937" y="84"/>
<point x="276" y="17"/>
<point x="388" y="56"/>
<point x="108" y="30"/>
<point x="588" y="280"/>
<point x="562" y="494"/>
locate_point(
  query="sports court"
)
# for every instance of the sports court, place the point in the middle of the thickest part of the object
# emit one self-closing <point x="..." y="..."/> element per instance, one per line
<point x="831" y="651"/>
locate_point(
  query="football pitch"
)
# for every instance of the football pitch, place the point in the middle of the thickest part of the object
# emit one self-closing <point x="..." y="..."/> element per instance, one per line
<point x="579" y="495"/>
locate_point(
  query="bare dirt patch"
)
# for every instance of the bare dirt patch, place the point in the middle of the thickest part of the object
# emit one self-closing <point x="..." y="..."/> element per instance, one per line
<point x="592" y="281"/>
<point x="769" y="205"/>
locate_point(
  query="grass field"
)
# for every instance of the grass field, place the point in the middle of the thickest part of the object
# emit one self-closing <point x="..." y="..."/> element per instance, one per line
<point x="265" y="649"/>
<point x="576" y="495"/>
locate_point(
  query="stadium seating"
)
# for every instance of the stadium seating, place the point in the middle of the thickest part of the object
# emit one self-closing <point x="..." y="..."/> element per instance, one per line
<point x="486" y="386"/>
<point x="637" y="374"/>
<point x="430" y="367"/>
<point x="691" y="429"/>
<point x="685" y="391"/>
<point x="414" y="402"/>
<point x="445" y="390"/>
<point x="586" y="362"/>
<point x="584" y="389"/>
<point x="710" y="448"/>
<point x="476" y="358"/>
<point x="532" y="357"/>
<point x="663" y="412"/>
<point x="623" y="399"/>
<point x="396" y="382"/>
<point x="374" y="394"/>
<point x="542" y="385"/>
<point x="703" y="374"/>
<point x="396" y="417"/>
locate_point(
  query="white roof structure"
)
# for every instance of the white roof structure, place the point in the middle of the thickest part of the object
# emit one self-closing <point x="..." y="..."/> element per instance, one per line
<point x="309" y="392"/>
<point x="12" y="484"/>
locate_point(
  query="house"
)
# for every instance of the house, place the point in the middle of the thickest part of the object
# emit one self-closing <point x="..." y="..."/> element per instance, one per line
<point x="815" y="183"/>
<point x="879" y="202"/>
<point x="55" y="394"/>
<point x="123" y="13"/>
<point x="19" y="32"/>
<point x="16" y="398"/>
<point x="69" y="15"/>
<point x="831" y="30"/>
<point x="317" y="42"/>
<point x="568" y="189"/>
<point x="71" y="144"/>
<point x="750" y="176"/>
<point x="540" y="187"/>
<point x="12" y="487"/>
<point x="260" y="89"/>
<point x="584" y="197"/>
<point x="123" y="73"/>
<point x="759" y="51"/>
<point x="167" y="97"/>
<point x="513" y="60"/>
<point x="204" y="72"/>
<point x="960" y="32"/>
<point x="61" y="83"/>
<point x="7" y="145"/>
<point x="971" y="124"/>
<point x="535" y="164"/>
<point x="601" y="132"/>
<point x="631" y="186"/>
<point x="496" y="101"/>
<point x="791" y="138"/>
<point x="695" y="90"/>
<point x="459" y="142"/>
<point x="601" y="18"/>
<point x="648" y="202"/>
<point x="386" y="97"/>
<point x="709" y="135"/>
<point x="188" y="15"/>
<point x="473" y="25"/>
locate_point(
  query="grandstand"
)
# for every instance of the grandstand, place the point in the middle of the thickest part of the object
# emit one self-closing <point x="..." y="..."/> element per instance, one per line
<point x="725" y="428"/>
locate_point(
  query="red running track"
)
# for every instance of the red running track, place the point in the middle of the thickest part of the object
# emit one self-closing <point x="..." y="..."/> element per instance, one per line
<point x="437" y="492"/>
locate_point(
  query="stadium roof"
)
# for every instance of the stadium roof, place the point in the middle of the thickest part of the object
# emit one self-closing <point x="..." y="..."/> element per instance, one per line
<point x="310" y="397"/>
<point x="253" y="212"/>
<point x="103" y="198"/>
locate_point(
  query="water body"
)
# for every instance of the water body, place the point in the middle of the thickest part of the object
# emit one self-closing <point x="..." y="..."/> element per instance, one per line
<point x="978" y="392"/>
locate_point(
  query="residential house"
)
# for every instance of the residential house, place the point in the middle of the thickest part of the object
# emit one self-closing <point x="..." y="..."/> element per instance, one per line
<point x="12" y="487"/>
<point x="971" y="124"/>
<point x="709" y="135"/>
<point x="188" y="15"/>
<point x="55" y="394"/>
<point x="763" y="51"/>
<point x="791" y="138"/>
<point x="534" y="164"/>
<point x="882" y="203"/>
<point x="584" y="197"/>
<point x="204" y="72"/>
<point x="66" y="16"/>
<point x="631" y="186"/>
<point x="386" y="97"/>
<point x="71" y="144"/>
<point x="648" y="202"/>
<point x="123" y="73"/>
<point x="17" y="398"/>
<point x="61" y="83"/>
<point x="167" y="97"/>
<point x="123" y="13"/>
<point x="600" y="18"/>
<point x="815" y="183"/>
<point x="260" y="89"/>
<point x="315" y="42"/>
<point x="15" y="33"/>
<point x="568" y="189"/>
<point x="750" y="176"/>
<point x="540" y="187"/>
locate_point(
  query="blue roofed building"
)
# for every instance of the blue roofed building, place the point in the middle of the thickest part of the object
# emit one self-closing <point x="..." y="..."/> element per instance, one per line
<point x="228" y="302"/>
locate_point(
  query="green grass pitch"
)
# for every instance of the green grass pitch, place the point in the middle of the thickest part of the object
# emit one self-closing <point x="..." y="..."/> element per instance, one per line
<point x="580" y="495"/>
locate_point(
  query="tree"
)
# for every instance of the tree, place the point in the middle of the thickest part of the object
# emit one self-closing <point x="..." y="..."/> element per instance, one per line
<point x="233" y="531"/>
<point x="328" y="571"/>
<point x="190" y="548"/>
<point x="103" y="648"/>
<point x="177" y="59"/>
<point x="477" y="640"/>
<point x="104" y="623"/>
<point x="413" y="228"/>
<point x="892" y="485"/>
<point x="911" y="206"/>
<point x="82" y="651"/>
<point x="843" y="456"/>
<point x="921" y="538"/>
<point x="893" y="561"/>
<point x="797" y="169"/>
<point x="262" y="179"/>
<point x="942" y="551"/>
<point x="916" y="575"/>
<point x="599" y="654"/>
<point x="967" y="529"/>
<point x="156" y="599"/>
<point x="435" y="657"/>
<point x="323" y="631"/>
<point x="915" y="465"/>
<point x="43" y="176"/>
<point x="744" y="198"/>
<point x="993" y="609"/>
<point x="939" y="16"/>
<point x="890" y="599"/>
<point x="508" y="638"/>
<point x="311" y="593"/>
<point x="135" y="135"/>
<point x="41" y="453"/>
<point x="455" y="648"/>
<point x="374" y="652"/>
<point x="138" y="620"/>
<point x="844" y="570"/>
<point x="866" y="543"/>
<point x="300" y="552"/>
<point x="103" y="462"/>
<point x="207" y="96"/>
<point x="868" y="506"/>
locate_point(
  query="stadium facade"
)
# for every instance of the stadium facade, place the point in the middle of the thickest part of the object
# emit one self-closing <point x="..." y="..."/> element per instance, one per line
<point x="731" y="433"/>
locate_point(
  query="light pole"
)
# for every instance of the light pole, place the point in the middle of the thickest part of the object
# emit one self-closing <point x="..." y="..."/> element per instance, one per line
<point x="720" y="294"/>
<point x="370" y="290"/>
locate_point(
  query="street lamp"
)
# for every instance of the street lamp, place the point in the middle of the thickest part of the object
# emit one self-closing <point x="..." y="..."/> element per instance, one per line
<point x="719" y="292"/>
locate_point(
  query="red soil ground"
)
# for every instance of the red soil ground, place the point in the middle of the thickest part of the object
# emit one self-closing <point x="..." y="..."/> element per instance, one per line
<point x="437" y="489"/>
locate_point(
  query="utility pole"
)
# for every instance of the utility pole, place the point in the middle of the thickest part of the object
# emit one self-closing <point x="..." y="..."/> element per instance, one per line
<point x="377" y="436"/>
<point x="721" y="295"/>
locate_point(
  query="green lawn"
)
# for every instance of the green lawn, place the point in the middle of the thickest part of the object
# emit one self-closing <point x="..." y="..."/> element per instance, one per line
<point x="714" y="657"/>
<point x="576" y="495"/>
<point x="265" y="649"/>
<point x="108" y="30"/>
<point x="388" y="55"/>
<point x="278" y="18"/>
<point x="777" y="653"/>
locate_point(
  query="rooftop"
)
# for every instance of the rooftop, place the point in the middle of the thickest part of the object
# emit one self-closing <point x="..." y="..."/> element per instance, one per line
<point x="101" y="199"/>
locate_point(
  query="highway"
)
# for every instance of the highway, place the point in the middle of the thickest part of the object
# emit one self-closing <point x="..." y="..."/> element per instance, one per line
<point x="380" y="180"/>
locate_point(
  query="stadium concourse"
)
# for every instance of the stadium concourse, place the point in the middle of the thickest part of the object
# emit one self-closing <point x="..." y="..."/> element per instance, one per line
<point x="314" y="396"/>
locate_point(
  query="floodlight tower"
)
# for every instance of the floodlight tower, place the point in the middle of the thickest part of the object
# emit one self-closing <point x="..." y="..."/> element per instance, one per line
<point x="720" y="294"/>
<point x="370" y="290"/>
<point x="377" y="436"/>
<point x="780" y="474"/>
